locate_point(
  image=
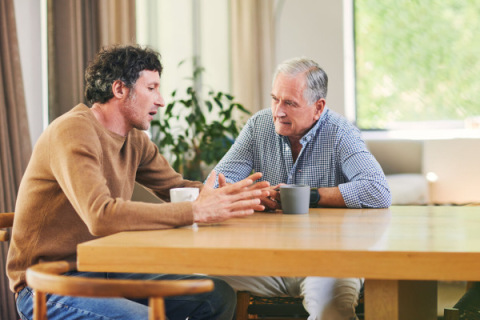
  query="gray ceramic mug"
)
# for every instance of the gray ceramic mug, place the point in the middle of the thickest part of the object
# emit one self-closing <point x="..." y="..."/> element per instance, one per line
<point x="295" y="198"/>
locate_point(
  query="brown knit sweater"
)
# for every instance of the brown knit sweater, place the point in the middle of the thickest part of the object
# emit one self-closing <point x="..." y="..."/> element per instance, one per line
<point x="78" y="186"/>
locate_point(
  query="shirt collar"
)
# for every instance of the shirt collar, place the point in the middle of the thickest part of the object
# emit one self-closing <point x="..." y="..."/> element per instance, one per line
<point x="313" y="131"/>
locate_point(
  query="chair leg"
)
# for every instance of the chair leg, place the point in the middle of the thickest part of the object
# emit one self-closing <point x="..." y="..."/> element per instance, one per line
<point x="39" y="306"/>
<point x="243" y="300"/>
<point x="157" y="309"/>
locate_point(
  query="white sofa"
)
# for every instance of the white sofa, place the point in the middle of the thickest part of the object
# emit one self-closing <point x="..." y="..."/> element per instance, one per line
<point x="402" y="163"/>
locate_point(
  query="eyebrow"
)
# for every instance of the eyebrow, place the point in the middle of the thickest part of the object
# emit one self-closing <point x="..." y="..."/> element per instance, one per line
<point x="292" y="102"/>
<point x="155" y="83"/>
<point x="288" y="101"/>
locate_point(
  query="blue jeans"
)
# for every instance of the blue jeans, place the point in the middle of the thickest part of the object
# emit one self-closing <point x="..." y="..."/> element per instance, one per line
<point x="217" y="304"/>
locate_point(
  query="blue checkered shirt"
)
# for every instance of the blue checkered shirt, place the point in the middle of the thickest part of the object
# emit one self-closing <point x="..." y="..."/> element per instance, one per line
<point x="332" y="154"/>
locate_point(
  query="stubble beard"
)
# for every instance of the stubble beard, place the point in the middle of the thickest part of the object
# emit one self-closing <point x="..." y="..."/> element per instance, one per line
<point x="131" y="112"/>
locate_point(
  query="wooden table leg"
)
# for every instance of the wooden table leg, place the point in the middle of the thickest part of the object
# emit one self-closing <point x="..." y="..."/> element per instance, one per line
<point x="400" y="300"/>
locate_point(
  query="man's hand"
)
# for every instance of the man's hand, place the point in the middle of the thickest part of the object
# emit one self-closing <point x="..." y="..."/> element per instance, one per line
<point x="270" y="202"/>
<point x="234" y="200"/>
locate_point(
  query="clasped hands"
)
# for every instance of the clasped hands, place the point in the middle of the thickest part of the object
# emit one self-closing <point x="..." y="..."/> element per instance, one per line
<point x="271" y="202"/>
<point x="231" y="200"/>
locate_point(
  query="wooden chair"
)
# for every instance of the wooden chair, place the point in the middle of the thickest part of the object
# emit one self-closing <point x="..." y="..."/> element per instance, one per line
<point x="47" y="277"/>
<point x="6" y="221"/>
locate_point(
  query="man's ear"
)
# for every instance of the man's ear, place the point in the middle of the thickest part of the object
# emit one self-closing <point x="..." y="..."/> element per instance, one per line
<point x="319" y="106"/>
<point x="119" y="89"/>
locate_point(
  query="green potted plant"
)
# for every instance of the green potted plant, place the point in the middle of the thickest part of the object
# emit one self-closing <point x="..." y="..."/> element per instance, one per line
<point x="195" y="130"/>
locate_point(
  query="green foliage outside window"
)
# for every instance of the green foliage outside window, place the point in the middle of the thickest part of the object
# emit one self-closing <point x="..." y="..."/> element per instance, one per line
<point x="416" y="60"/>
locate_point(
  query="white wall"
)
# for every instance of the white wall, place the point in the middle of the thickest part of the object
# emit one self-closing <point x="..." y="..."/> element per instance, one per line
<point x="172" y="36"/>
<point x="27" y="16"/>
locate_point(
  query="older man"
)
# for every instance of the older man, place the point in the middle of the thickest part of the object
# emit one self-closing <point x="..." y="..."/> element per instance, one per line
<point x="299" y="140"/>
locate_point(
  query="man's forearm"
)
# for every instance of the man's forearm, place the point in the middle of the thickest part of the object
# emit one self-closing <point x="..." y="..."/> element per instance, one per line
<point x="331" y="197"/>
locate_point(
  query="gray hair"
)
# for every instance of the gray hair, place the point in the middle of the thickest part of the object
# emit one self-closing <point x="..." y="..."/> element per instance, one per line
<point x="316" y="78"/>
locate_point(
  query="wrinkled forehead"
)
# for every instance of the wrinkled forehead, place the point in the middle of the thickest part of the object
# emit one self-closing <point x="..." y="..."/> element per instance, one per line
<point x="287" y="84"/>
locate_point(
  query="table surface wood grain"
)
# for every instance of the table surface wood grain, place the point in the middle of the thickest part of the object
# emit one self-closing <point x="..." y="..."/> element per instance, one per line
<point x="404" y="242"/>
<point x="400" y="251"/>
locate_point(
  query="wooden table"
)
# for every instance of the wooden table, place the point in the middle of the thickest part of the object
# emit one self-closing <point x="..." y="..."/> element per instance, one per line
<point x="400" y="251"/>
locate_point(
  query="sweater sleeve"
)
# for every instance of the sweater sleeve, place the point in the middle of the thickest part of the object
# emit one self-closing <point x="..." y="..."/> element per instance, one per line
<point x="81" y="168"/>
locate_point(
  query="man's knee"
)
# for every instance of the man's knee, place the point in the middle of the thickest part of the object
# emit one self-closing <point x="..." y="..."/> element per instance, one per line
<point x="345" y="295"/>
<point x="224" y="288"/>
<point x="330" y="298"/>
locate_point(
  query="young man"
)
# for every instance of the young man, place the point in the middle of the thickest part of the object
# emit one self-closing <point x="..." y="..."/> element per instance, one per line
<point x="300" y="141"/>
<point x="80" y="179"/>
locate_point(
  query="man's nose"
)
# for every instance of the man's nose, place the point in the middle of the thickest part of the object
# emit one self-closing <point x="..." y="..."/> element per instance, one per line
<point x="160" y="102"/>
<point x="279" y="110"/>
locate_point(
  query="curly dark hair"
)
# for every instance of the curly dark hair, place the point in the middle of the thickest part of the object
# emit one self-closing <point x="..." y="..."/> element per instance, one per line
<point x="122" y="63"/>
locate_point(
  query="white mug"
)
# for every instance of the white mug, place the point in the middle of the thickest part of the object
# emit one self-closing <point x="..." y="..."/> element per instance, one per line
<point x="183" y="194"/>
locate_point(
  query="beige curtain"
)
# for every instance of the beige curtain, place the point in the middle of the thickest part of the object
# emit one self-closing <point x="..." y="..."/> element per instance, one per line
<point x="77" y="29"/>
<point x="15" y="145"/>
<point x="253" y="47"/>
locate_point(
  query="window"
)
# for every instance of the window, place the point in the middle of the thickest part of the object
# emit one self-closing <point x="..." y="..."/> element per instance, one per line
<point x="182" y="30"/>
<point x="417" y="63"/>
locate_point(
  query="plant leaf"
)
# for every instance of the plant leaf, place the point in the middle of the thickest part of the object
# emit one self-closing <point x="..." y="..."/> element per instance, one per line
<point x="209" y="105"/>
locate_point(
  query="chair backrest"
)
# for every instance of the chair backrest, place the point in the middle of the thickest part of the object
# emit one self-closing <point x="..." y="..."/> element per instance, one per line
<point x="6" y="221"/>
<point x="47" y="278"/>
